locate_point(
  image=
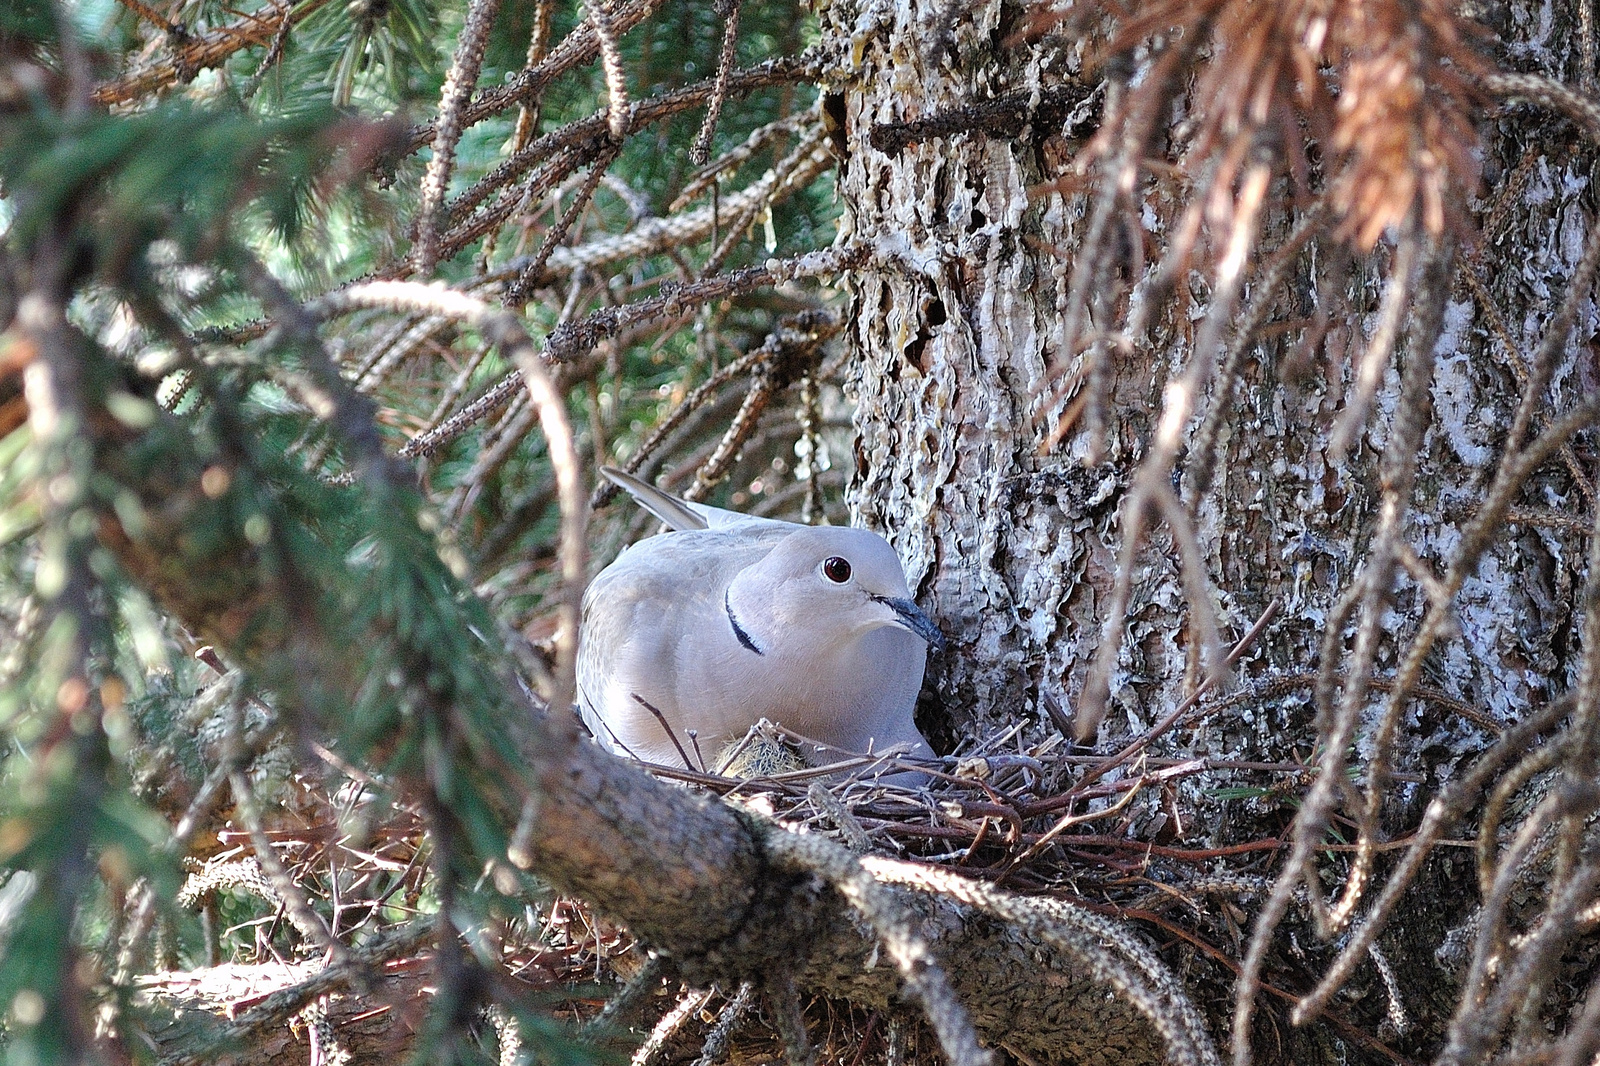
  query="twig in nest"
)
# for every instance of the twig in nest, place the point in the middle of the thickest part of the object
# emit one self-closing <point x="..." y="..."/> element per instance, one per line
<point x="1068" y="821"/>
<point x="295" y="904"/>
<point x="855" y="837"/>
<point x="1234" y="655"/>
<point x="666" y="727"/>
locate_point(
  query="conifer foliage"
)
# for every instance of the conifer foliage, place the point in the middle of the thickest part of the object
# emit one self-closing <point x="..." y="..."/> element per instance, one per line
<point x="317" y="317"/>
<point x="261" y="683"/>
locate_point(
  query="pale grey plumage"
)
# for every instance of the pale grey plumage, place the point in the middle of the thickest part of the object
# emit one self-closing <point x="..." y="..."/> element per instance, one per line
<point x="728" y="619"/>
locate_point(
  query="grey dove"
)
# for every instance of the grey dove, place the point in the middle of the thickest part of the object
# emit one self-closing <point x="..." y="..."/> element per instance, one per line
<point x="727" y="619"/>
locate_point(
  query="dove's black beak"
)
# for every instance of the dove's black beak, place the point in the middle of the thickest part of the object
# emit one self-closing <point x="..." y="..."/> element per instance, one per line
<point x="912" y="618"/>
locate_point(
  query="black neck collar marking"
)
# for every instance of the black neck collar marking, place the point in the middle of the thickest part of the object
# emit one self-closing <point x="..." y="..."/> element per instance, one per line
<point x="738" y="630"/>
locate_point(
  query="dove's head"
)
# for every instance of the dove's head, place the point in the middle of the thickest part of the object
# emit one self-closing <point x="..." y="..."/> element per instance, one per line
<point x="832" y="585"/>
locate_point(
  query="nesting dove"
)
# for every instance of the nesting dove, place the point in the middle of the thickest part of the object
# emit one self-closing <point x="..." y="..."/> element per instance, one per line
<point x="728" y="619"/>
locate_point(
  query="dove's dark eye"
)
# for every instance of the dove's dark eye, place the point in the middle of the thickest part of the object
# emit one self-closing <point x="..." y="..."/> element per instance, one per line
<point x="836" y="569"/>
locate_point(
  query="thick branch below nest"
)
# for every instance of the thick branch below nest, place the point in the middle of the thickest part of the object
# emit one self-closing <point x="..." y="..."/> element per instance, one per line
<point x="692" y="878"/>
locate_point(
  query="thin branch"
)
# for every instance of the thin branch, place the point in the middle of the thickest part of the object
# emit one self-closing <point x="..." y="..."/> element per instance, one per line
<point x="505" y="331"/>
<point x="1396" y="474"/>
<point x="1580" y="106"/>
<point x="458" y="86"/>
<point x="700" y="150"/>
<point x="1369" y="373"/>
<point x="585" y="135"/>
<point x="516" y="293"/>
<point x="1152" y="483"/>
<point x="576" y="48"/>
<point x="617" y="111"/>
<point x="1444" y="811"/>
<point x="203" y="52"/>
<point x="570" y="341"/>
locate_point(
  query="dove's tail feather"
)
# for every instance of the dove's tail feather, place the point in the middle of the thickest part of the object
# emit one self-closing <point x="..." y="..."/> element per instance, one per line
<point x="674" y="512"/>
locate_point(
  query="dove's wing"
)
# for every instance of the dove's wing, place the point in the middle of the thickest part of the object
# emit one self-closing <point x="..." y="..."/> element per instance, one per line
<point x="654" y="628"/>
<point x="677" y="514"/>
<point x="682" y="515"/>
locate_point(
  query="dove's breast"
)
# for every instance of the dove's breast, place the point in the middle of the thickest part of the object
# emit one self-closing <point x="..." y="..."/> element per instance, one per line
<point x="654" y="627"/>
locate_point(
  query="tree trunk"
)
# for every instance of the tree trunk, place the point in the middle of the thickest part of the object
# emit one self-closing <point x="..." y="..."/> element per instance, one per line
<point x="953" y="337"/>
<point x="1011" y="538"/>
